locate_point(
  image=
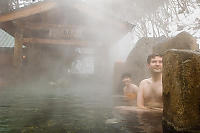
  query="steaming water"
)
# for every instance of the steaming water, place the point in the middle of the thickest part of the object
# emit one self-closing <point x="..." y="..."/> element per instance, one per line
<point x="83" y="107"/>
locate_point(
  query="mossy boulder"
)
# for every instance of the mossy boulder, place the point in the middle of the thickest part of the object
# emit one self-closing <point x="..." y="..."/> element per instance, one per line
<point x="181" y="90"/>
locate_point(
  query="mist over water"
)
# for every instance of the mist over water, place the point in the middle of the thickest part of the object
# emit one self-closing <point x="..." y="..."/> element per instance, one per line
<point x="54" y="94"/>
<point x="40" y="107"/>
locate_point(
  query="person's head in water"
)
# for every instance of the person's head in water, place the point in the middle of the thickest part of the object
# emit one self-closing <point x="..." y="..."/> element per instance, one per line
<point x="126" y="78"/>
<point x="154" y="62"/>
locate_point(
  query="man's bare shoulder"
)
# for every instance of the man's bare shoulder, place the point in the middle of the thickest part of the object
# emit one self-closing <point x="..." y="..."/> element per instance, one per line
<point x="133" y="85"/>
<point x="146" y="81"/>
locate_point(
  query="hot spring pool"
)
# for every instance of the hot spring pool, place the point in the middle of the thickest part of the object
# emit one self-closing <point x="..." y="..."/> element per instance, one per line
<point x="81" y="108"/>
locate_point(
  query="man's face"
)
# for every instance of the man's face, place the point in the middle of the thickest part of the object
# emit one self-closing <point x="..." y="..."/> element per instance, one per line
<point x="155" y="64"/>
<point x="126" y="80"/>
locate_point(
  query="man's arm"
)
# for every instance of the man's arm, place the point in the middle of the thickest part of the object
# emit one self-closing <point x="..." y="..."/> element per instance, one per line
<point x="140" y="95"/>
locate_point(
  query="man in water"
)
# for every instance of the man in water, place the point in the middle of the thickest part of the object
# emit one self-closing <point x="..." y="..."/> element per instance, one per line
<point x="149" y="99"/>
<point x="130" y="90"/>
<point x="150" y="90"/>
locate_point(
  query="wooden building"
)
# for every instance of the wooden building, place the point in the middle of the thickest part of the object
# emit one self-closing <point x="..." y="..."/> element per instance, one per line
<point x="65" y="25"/>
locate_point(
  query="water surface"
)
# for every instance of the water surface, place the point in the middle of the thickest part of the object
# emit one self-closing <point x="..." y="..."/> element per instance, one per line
<point x="84" y="107"/>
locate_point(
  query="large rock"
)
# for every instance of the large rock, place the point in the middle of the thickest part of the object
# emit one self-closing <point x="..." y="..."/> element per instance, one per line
<point x="181" y="90"/>
<point x="136" y="61"/>
<point x="182" y="41"/>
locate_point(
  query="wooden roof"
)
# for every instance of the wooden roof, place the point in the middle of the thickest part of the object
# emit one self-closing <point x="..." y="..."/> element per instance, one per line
<point x="28" y="11"/>
<point x="67" y="24"/>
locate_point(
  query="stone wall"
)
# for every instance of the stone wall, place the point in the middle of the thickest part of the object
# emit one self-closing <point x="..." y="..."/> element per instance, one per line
<point x="181" y="90"/>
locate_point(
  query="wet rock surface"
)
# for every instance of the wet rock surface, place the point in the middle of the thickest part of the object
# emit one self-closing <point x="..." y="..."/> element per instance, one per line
<point x="181" y="90"/>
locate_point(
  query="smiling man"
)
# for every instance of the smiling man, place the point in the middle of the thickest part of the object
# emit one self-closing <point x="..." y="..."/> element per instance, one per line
<point x="150" y="90"/>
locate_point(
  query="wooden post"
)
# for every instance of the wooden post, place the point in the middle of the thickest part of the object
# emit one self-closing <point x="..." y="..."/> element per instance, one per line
<point x="119" y="69"/>
<point x="18" y="50"/>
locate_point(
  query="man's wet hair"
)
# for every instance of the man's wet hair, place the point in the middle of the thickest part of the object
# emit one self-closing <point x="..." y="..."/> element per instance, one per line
<point x="126" y="75"/>
<point x="152" y="56"/>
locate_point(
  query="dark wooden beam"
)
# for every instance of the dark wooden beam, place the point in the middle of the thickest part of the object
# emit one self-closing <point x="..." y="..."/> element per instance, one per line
<point x="56" y="42"/>
<point x="43" y="26"/>
<point x="49" y="30"/>
<point x="18" y="50"/>
<point x="28" y="11"/>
